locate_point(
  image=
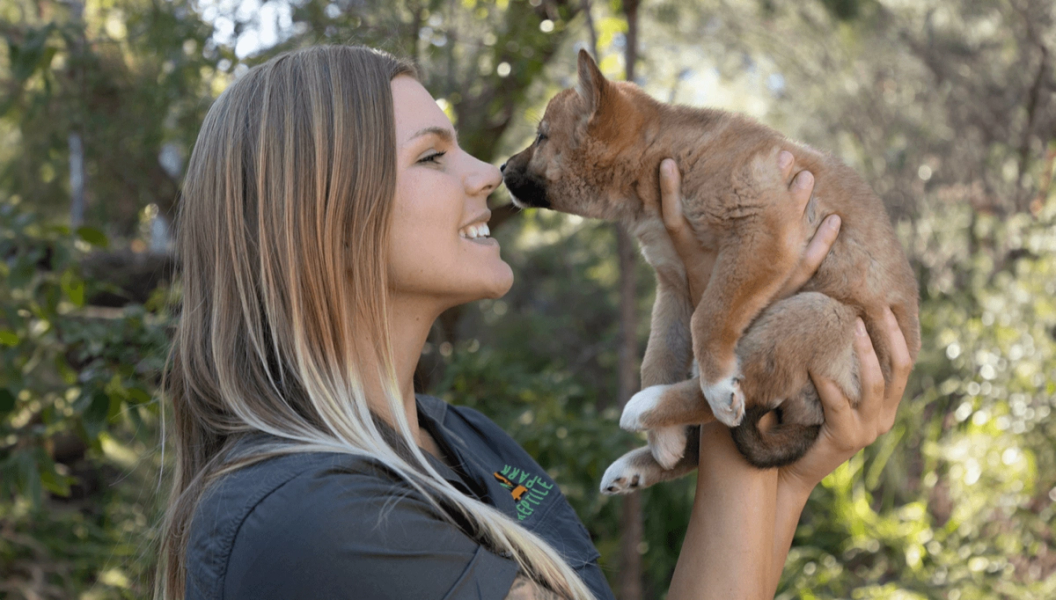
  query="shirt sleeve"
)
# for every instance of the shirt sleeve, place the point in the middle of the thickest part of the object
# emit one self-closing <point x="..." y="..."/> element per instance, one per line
<point x="340" y="535"/>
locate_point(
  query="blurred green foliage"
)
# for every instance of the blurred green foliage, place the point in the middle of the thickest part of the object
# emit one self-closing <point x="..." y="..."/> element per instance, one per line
<point x="948" y="107"/>
<point x="959" y="498"/>
<point x="76" y="395"/>
<point x="128" y="76"/>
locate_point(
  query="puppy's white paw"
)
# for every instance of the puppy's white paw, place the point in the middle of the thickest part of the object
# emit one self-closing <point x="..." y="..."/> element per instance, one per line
<point x="726" y="400"/>
<point x="640" y="404"/>
<point x="623" y="477"/>
<point x="668" y="445"/>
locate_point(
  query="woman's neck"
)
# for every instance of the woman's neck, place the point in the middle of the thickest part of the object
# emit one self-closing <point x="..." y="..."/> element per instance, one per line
<point x="409" y="325"/>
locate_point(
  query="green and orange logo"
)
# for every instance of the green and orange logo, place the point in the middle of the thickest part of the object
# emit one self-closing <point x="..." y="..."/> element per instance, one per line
<point x="528" y="490"/>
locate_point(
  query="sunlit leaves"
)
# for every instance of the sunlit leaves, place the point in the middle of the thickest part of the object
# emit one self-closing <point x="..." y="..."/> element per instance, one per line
<point x="93" y="236"/>
<point x="121" y="78"/>
<point x="32" y="53"/>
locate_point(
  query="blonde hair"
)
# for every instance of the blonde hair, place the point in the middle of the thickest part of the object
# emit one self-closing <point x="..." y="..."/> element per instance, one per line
<point x="282" y="239"/>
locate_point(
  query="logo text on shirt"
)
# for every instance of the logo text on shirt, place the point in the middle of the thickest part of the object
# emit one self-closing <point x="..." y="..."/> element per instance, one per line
<point x="528" y="490"/>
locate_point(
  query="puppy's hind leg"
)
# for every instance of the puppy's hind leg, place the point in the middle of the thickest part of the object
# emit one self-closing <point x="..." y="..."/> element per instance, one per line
<point x="665" y="410"/>
<point x="638" y="468"/>
<point x="808" y="333"/>
<point x="660" y="406"/>
<point x="669" y="350"/>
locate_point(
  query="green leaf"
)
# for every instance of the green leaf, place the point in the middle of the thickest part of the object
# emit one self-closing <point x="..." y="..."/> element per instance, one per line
<point x="7" y="401"/>
<point x="30" y="478"/>
<point x="22" y="273"/>
<point x="8" y="337"/>
<point x="93" y="236"/>
<point x="138" y="395"/>
<point x="32" y="54"/>
<point x="73" y="287"/>
<point x="52" y="481"/>
<point x="95" y="416"/>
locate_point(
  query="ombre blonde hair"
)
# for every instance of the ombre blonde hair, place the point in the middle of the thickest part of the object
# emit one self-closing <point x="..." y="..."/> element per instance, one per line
<point x="282" y="237"/>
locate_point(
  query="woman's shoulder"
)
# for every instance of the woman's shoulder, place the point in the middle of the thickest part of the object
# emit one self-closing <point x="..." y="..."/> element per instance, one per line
<point x="325" y="525"/>
<point x="234" y="495"/>
<point x="282" y="502"/>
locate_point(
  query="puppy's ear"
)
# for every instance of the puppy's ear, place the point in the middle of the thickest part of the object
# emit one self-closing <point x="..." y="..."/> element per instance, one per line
<point x="592" y="83"/>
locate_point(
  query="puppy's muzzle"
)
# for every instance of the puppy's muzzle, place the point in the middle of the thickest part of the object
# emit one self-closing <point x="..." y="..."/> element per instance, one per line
<point x="526" y="191"/>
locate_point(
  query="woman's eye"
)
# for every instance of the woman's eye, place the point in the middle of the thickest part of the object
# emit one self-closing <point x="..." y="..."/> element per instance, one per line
<point x="431" y="158"/>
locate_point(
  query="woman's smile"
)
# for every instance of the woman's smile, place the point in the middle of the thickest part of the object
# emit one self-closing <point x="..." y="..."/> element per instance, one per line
<point x="478" y="231"/>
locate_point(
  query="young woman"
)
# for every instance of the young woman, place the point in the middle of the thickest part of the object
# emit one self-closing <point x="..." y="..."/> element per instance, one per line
<point x="328" y="217"/>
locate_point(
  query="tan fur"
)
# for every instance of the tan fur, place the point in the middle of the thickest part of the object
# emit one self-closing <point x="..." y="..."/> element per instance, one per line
<point x="598" y="155"/>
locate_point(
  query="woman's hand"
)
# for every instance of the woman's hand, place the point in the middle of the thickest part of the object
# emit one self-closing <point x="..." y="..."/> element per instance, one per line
<point x="848" y="428"/>
<point x="698" y="262"/>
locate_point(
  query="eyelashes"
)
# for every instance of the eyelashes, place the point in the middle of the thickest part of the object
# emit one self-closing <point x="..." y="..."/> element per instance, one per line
<point x="432" y="158"/>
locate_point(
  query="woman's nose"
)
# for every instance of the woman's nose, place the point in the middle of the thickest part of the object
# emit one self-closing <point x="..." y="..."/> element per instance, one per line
<point x="484" y="179"/>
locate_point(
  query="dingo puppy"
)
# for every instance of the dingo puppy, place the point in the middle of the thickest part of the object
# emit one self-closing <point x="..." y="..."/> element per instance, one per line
<point x="597" y="154"/>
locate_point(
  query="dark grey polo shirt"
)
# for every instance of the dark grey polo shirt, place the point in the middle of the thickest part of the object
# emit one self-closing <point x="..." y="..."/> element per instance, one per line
<point x="326" y="526"/>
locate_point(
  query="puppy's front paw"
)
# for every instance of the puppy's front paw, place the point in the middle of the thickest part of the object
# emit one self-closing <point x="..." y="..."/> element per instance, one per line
<point x="726" y="400"/>
<point x="639" y="406"/>
<point x="623" y="477"/>
<point x="668" y="445"/>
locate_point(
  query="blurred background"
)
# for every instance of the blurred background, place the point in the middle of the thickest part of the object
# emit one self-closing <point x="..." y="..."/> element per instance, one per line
<point x="947" y="107"/>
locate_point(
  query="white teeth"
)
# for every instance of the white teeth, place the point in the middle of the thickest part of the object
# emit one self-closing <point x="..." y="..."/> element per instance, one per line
<point x="475" y="231"/>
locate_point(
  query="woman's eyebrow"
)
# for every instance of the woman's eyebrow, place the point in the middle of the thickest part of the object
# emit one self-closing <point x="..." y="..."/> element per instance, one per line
<point x="445" y="134"/>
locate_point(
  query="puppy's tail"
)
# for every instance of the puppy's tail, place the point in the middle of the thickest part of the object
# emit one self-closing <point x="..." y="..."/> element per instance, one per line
<point x="782" y="444"/>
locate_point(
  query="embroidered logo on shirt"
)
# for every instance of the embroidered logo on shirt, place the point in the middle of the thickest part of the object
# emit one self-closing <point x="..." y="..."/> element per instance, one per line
<point x="528" y="490"/>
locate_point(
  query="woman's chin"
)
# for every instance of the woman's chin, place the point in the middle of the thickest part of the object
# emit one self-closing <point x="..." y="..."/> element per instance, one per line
<point x="502" y="283"/>
<point x="496" y="285"/>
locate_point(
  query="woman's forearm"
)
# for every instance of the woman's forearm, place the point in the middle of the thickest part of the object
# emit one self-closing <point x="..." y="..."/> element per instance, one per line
<point x="729" y="550"/>
<point x="791" y="498"/>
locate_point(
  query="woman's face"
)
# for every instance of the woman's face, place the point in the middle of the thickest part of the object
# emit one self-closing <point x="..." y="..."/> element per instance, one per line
<point x="439" y="249"/>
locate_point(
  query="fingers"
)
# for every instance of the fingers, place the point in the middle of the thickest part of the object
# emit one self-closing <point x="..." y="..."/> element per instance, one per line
<point x="784" y="162"/>
<point x="803" y="183"/>
<point x="671" y="197"/>
<point x="901" y="366"/>
<point x="870" y="376"/>
<point x="850" y="427"/>
<point x="815" y="253"/>
<point x="820" y="244"/>
<point x="837" y="407"/>
<point x="671" y="201"/>
<point x="801" y="188"/>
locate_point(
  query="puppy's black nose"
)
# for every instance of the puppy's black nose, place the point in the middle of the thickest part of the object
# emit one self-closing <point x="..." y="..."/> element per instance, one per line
<point x="502" y="169"/>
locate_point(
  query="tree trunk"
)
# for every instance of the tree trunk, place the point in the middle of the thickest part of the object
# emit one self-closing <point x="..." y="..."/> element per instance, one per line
<point x="630" y="580"/>
<point x="74" y="140"/>
<point x="76" y="180"/>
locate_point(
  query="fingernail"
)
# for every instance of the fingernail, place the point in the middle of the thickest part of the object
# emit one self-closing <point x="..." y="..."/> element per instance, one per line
<point x="834" y="222"/>
<point x="804" y="180"/>
<point x="784" y="158"/>
<point x="859" y="326"/>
